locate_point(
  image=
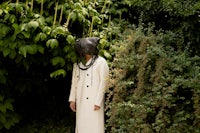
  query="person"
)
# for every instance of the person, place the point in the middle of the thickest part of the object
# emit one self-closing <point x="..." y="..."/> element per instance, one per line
<point x="88" y="86"/>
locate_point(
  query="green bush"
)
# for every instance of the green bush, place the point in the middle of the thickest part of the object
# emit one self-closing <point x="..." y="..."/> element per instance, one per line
<point x="153" y="87"/>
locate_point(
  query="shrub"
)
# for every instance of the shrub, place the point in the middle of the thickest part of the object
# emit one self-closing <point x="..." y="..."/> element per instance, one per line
<point x="153" y="87"/>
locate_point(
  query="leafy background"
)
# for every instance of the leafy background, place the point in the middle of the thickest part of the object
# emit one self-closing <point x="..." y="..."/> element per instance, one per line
<point x="152" y="48"/>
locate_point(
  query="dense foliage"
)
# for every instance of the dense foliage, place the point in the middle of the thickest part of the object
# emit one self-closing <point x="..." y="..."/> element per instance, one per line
<point x="153" y="87"/>
<point x="154" y="83"/>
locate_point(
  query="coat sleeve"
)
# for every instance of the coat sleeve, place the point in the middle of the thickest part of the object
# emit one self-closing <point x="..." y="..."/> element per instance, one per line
<point x="104" y="74"/>
<point x="72" y="96"/>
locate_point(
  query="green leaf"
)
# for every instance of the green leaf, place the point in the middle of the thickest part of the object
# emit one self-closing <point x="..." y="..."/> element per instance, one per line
<point x="4" y="30"/>
<point x="107" y="54"/>
<point x="24" y="49"/>
<point x="67" y="49"/>
<point x="6" y="52"/>
<point x="57" y="73"/>
<point x="78" y="6"/>
<point x="40" y="36"/>
<point x="40" y="49"/>
<point x="73" y="16"/>
<point x="12" y="54"/>
<point x="80" y="17"/>
<point x="97" y="20"/>
<point x="58" y="31"/>
<point x="33" y="24"/>
<point x="26" y="34"/>
<point x="53" y="43"/>
<point x="70" y="39"/>
<point x="47" y="30"/>
<point x="58" y="60"/>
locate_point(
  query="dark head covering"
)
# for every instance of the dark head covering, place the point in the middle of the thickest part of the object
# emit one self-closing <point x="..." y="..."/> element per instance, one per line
<point x="87" y="46"/>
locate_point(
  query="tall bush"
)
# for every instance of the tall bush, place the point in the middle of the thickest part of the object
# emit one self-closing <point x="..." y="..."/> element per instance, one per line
<point x="153" y="87"/>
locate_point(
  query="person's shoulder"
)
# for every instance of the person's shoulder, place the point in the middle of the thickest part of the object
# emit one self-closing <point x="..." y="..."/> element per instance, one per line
<point x="102" y="59"/>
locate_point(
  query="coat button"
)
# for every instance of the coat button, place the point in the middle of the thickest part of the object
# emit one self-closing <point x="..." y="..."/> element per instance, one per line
<point x="87" y="98"/>
<point x="87" y="74"/>
<point x="87" y="85"/>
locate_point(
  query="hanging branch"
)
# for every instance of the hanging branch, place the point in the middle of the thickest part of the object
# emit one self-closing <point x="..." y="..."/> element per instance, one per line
<point x="61" y="13"/>
<point x="41" y="10"/>
<point x="55" y="14"/>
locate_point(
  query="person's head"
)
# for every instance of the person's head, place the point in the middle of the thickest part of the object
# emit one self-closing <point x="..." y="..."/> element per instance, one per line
<point x="87" y="46"/>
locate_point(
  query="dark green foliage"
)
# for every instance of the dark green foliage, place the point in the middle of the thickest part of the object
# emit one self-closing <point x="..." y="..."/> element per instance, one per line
<point x="153" y="87"/>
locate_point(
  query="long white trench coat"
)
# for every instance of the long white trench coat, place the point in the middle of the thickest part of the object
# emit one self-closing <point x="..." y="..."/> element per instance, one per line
<point x="87" y="90"/>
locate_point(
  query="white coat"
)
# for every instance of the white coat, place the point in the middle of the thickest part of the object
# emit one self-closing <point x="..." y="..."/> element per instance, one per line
<point x="87" y="90"/>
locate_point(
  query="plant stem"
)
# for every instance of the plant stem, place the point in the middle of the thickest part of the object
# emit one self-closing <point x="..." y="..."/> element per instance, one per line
<point x="104" y="6"/>
<point x="41" y="10"/>
<point x="17" y="1"/>
<point x="91" y="27"/>
<point x="68" y="18"/>
<point x="31" y="5"/>
<point x="55" y="14"/>
<point x="61" y="13"/>
<point x="26" y="3"/>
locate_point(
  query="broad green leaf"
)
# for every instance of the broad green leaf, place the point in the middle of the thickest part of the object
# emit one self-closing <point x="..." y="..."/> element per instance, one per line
<point x="67" y="49"/>
<point x="78" y="6"/>
<point x="85" y="12"/>
<point x="40" y="49"/>
<point x="73" y="16"/>
<point x="47" y="30"/>
<point x="52" y="43"/>
<point x="12" y="54"/>
<point x="4" y="30"/>
<point x="26" y="34"/>
<point x="40" y="36"/>
<point x="102" y="43"/>
<point x="24" y="27"/>
<point x="97" y="20"/>
<point x="17" y="31"/>
<point x="106" y="54"/>
<point x="30" y="49"/>
<point x="58" y="60"/>
<point x="80" y="17"/>
<point x="58" y="31"/>
<point x="6" y="52"/>
<point x="12" y="18"/>
<point x="41" y="20"/>
<point x="57" y="73"/>
<point x="33" y="24"/>
<point x="70" y="39"/>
